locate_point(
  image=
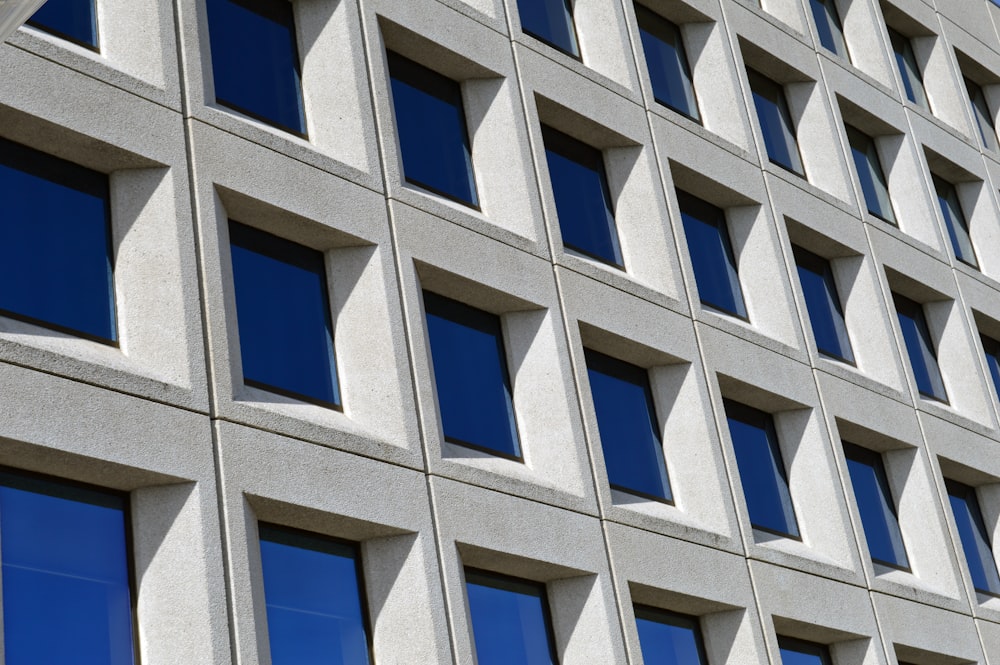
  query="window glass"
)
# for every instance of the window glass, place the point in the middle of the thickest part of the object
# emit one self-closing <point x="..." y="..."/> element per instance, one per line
<point x="255" y="61"/>
<point x="74" y="20"/>
<point x="762" y="470"/>
<point x="283" y="313"/>
<point x="991" y="348"/>
<point x="66" y="577"/>
<point x="55" y="244"/>
<point x="470" y="373"/>
<point x="711" y="255"/>
<point x="550" y="21"/>
<point x="831" y="34"/>
<point x="974" y="536"/>
<point x="954" y="221"/>
<point x="981" y="114"/>
<point x="870" y="174"/>
<point x="433" y="138"/>
<point x="667" y="62"/>
<point x="909" y="72"/>
<point x="630" y="432"/>
<point x="823" y="304"/>
<point x="775" y="122"/>
<point x="875" y="504"/>
<point x="510" y="620"/>
<point x="668" y="638"/>
<point x="313" y="596"/>
<point x="799" y="652"/>
<point x="583" y="202"/>
<point x="920" y="348"/>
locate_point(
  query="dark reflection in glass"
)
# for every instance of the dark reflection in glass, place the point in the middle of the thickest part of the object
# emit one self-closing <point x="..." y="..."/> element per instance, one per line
<point x="74" y="20"/>
<point x="954" y="221"/>
<point x="667" y="62"/>
<point x="991" y="348"/>
<point x="974" y="536"/>
<point x="800" y="652"/>
<point x="823" y="304"/>
<point x="775" y="122"/>
<point x="909" y="71"/>
<point x="981" y="114"/>
<point x="870" y="174"/>
<point x="711" y="255"/>
<point x="550" y="21"/>
<point x="510" y="620"/>
<point x="831" y="34"/>
<point x="668" y="638"/>
<point x="920" y="348"/>
<point x="875" y="504"/>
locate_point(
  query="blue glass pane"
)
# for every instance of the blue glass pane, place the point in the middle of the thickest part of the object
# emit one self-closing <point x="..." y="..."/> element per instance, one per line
<point x="66" y="595"/>
<point x="823" y="305"/>
<point x="433" y="140"/>
<point x="796" y="655"/>
<point x="669" y="73"/>
<point x="878" y="515"/>
<point x="975" y="541"/>
<point x="954" y="221"/>
<point x="314" y="611"/>
<point x="255" y="60"/>
<point x="668" y="639"/>
<point x="919" y="348"/>
<point x="470" y="373"/>
<point x="509" y="621"/>
<point x="909" y="72"/>
<point x="991" y="348"/>
<point x="711" y="255"/>
<point x="626" y="418"/>
<point x="828" y="26"/>
<point x="775" y="122"/>
<point x="550" y="21"/>
<point x="286" y="337"/>
<point x="75" y="20"/>
<point x="870" y="175"/>
<point x="981" y="114"/>
<point x="55" y="249"/>
<point x="583" y="203"/>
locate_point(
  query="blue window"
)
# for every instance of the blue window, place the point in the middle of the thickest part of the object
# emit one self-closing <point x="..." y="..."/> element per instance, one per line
<point x="313" y="593"/>
<point x="667" y="62"/>
<point x="433" y="138"/>
<point x="470" y="373"/>
<point x="981" y="114"/>
<point x="823" y="304"/>
<point x="831" y="34"/>
<point x="55" y="244"/>
<point x="73" y="20"/>
<point x="954" y="221"/>
<point x="875" y="504"/>
<point x="551" y="21"/>
<point x="583" y="201"/>
<point x="711" y="255"/>
<point x="630" y="432"/>
<point x="762" y="470"/>
<point x="668" y="638"/>
<point x="510" y="620"/>
<point x="775" y="122"/>
<point x="991" y="349"/>
<point x="800" y="652"/>
<point x="974" y="536"/>
<point x="66" y="574"/>
<point x="870" y="174"/>
<point x="920" y="348"/>
<point x="255" y="61"/>
<point x="282" y="306"/>
<point x="909" y="71"/>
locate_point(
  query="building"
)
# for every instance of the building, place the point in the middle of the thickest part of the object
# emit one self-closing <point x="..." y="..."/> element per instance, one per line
<point x="580" y="330"/>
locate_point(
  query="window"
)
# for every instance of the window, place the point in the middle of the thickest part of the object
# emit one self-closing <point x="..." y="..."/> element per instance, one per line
<point x="551" y="21"/>
<point x="831" y="34"/>
<point x="775" y="122"/>
<point x="630" y="431"/>
<point x="991" y="349"/>
<point x="283" y="313"/>
<point x="55" y="244"/>
<point x="974" y="536"/>
<point x="981" y="115"/>
<point x="583" y="202"/>
<point x="823" y="304"/>
<point x="667" y="62"/>
<point x="510" y="620"/>
<point x="800" y="652"/>
<point x="73" y="20"/>
<point x="762" y="470"/>
<point x="470" y="373"/>
<point x="875" y="504"/>
<point x="433" y="138"/>
<point x="668" y="638"/>
<point x="66" y="573"/>
<point x="255" y="61"/>
<point x="909" y="72"/>
<point x="920" y="348"/>
<point x="711" y="255"/>
<point x="954" y="221"/>
<point x="870" y="174"/>
<point x="313" y="595"/>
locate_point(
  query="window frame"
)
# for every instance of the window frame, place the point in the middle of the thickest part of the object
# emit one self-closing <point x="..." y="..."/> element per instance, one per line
<point x="854" y="452"/>
<point x="970" y="497"/>
<point x="94" y="46"/>
<point x="858" y="143"/>
<point x="915" y="311"/>
<point x="834" y="26"/>
<point x="991" y="351"/>
<point x="766" y="88"/>
<point x="981" y="113"/>
<point x="902" y="49"/>
<point x="676" y="619"/>
<point x="946" y="192"/>
<point x="651" y="23"/>
<point x="807" y="648"/>
<point x="816" y="264"/>
<point x="576" y="54"/>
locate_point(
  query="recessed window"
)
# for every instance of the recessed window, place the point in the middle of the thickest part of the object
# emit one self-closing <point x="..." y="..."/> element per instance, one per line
<point x="583" y="201"/>
<point x="669" y="638"/>
<point x="981" y="114"/>
<point x="73" y="20"/>
<point x="975" y="538"/>
<point x="551" y="21"/>
<point x="313" y="596"/>
<point x="954" y="221"/>
<point x="666" y="60"/>
<point x="470" y="373"/>
<point x="875" y="504"/>
<point x="510" y="620"/>
<point x="255" y="61"/>
<point x="55" y="244"/>
<point x="283" y="313"/>
<point x="433" y="138"/>
<point x="800" y="652"/>
<point x="991" y="349"/>
<point x="870" y="174"/>
<point x="920" y="348"/>
<point x="66" y="573"/>
<point x="762" y="470"/>
<point x="775" y="122"/>
<point x="629" y="429"/>
<point x="828" y="27"/>
<point x="909" y="72"/>
<point x="823" y="304"/>
<point x="711" y="255"/>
